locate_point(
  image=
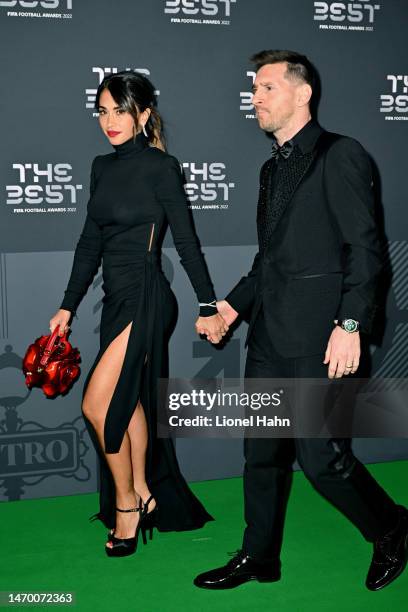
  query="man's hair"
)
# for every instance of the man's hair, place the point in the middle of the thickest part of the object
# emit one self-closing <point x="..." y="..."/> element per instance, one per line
<point x="299" y="67"/>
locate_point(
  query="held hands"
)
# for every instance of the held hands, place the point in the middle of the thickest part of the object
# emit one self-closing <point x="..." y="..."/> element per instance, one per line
<point x="216" y="327"/>
<point x="213" y="327"/>
<point x="342" y="353"/>
<point x="61" y="318"/>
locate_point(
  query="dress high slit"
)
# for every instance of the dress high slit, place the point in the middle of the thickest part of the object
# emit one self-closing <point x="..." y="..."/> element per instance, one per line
<point x="135" y="193"/>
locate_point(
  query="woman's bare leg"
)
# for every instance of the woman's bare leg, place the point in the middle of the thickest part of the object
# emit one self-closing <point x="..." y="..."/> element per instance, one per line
<point x="95" y="406"/>
<point x="137" y="430"/>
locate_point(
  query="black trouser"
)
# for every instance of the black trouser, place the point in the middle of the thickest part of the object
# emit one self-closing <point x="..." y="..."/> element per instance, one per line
<point x="329" y="464"/>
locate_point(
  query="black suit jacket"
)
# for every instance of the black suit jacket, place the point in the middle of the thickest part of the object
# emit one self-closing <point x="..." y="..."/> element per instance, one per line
<point x="322" y="259"/>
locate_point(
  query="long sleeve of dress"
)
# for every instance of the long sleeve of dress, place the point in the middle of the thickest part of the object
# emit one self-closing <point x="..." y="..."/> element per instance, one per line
<point x="171" y="194"/>
<point x="87" y="258"/>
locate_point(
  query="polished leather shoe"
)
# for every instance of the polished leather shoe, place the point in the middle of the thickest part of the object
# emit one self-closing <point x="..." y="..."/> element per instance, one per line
<point x="390" y="555"/>
<point x="241" y="568"/>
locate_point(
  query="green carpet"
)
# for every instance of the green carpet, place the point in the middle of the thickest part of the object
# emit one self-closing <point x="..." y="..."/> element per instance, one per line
<point x="49" y="545"/>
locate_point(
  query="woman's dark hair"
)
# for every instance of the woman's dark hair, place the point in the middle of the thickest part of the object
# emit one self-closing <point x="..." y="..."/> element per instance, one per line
<point x="133" y="92"/>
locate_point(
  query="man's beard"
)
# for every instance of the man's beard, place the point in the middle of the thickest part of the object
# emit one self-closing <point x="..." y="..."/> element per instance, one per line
<point x="270" y="126"/>
<point x="274" y="124"/>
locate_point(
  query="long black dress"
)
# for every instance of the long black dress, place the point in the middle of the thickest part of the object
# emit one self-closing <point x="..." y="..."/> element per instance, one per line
<point x="134" y="193"/>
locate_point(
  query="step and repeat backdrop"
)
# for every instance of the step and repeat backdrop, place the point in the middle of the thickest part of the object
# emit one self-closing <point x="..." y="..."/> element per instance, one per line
<point x="54" y="54"/>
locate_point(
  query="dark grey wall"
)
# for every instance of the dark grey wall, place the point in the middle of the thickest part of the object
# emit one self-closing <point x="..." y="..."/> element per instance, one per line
<point x="53" y="55"/>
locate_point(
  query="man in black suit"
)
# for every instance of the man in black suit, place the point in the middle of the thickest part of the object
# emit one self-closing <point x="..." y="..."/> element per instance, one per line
<point x="311" y="290"/>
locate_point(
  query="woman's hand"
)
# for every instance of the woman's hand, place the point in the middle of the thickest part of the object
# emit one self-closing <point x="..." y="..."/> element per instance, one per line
<point x="61" y="318"/>
<point x="213" y="327"/>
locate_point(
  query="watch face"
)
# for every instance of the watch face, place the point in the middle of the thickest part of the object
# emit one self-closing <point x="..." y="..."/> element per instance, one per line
<point x="349" y="325"/>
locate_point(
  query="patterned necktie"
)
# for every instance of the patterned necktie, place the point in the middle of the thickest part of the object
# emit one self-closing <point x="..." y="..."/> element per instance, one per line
<point x="284" y="151"/>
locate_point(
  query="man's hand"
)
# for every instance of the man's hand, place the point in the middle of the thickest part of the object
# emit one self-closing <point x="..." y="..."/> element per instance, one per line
<point x="227" y="312"/>
<point x="213" y="327"/>
<point x="342" y="353"/>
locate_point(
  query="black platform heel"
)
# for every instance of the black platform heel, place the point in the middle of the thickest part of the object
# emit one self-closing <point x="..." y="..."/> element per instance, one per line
<point x="124" y="546"/>
<point x="148" y="520"/>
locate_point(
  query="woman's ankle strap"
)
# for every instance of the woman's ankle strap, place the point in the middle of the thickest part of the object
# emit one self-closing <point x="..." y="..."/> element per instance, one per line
<point x="147" y="502"/>
<point x="130" y="510"/>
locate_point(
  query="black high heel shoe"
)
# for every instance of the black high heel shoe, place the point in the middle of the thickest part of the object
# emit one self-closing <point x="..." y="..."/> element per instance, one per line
<point x="111" y="532"/>
<point x="121" y="547"/>
<point x="148" y="520"/>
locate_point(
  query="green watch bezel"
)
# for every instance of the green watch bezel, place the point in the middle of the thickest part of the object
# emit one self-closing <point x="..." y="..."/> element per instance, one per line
<point x="349" y="325"/>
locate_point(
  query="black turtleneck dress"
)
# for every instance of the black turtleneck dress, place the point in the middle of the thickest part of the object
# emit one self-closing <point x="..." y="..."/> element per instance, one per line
<point x="134" y="193"/>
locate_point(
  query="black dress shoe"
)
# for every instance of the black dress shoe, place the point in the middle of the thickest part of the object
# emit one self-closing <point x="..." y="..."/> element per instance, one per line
<point x="390" y="555"/>
<point x="238" y="570"/>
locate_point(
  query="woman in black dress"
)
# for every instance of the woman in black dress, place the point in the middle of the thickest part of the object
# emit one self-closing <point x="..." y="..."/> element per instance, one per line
<point x="134" y="193"/>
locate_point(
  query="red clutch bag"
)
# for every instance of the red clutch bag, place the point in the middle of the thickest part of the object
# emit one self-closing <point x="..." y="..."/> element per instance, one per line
<point x="52" y="364"/>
